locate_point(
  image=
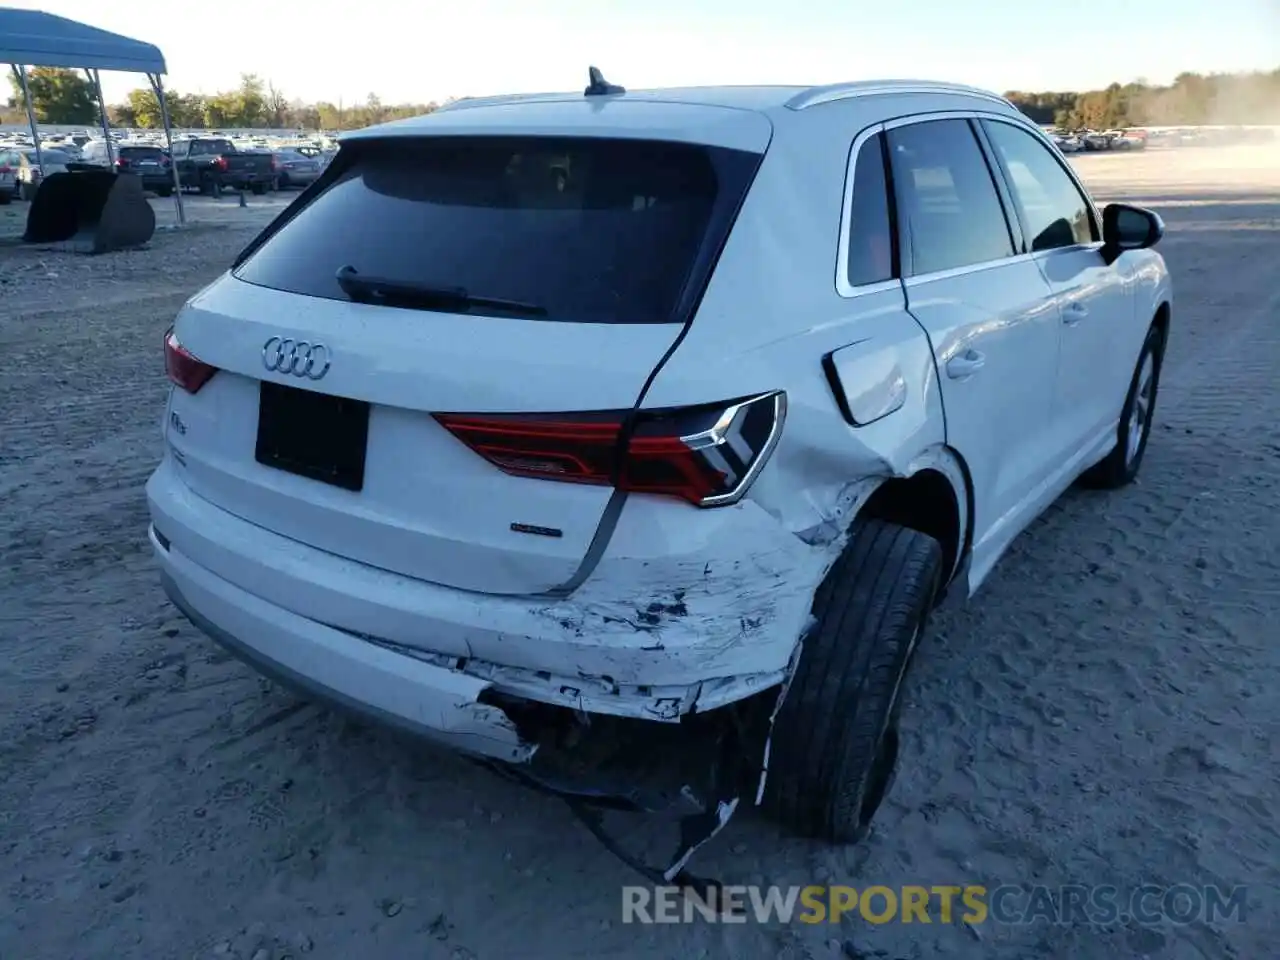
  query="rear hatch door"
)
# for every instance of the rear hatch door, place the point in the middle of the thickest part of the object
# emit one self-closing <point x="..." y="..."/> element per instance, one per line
<point x="142" y="160"/>
<point x="582" y="256"/>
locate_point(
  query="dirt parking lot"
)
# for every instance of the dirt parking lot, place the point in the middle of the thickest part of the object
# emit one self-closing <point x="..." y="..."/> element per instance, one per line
<point x="205" y="211"/>
<point x="1104" y="712"/>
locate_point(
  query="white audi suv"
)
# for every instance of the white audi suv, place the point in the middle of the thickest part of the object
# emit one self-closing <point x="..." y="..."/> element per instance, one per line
<point x="673" y="411"/>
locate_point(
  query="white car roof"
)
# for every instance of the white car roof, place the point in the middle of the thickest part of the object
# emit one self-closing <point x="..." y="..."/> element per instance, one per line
<point x="736" y="117"/>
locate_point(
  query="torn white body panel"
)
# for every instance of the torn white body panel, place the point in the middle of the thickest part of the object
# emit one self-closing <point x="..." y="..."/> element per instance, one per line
<point x="646" y="629"/>
<point x="597" y="694"/>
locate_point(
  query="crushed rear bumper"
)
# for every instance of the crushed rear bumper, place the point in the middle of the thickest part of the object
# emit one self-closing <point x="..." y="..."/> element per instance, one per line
<point x="728" y="645"/>
<point x="327" y="664"/>
<point x="443" y="706"/>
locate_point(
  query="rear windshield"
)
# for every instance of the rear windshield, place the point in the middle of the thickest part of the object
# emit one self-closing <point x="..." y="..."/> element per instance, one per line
<point x="211" y="147"/>
<point x="49" y="156"/>
<point x="589" y="230"/>
<point x="141" y="153"/>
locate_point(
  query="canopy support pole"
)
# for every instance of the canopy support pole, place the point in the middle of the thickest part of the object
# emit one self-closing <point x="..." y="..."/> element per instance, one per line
<point x="96" y="79"/>
<point x="31" y="115"/>
<point x="158" y="86"/>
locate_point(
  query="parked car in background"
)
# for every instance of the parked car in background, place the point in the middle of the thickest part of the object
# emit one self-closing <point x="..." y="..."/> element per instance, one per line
<point x="1068" y="143"/>
<point x="212" y="164"/>
<point x="146" y="161"/>
<point x="1128" y="139"/>
<point x="63" y="143"/>
<point x="297" y="166"/>
<point x="8" y="178"/>
<point x="26" y="165"/>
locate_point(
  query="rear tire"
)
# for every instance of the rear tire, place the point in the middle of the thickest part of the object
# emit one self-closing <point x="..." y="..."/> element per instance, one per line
<point x="164" y="191"/>
<point x="5" y="198"/>
<point x="29" y="191"/>
<point x="258" y="189"/>
<point x="1120" y="467"/>
<point x="834" y="748"/>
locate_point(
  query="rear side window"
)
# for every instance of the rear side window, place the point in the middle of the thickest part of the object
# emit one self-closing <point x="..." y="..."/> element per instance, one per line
<point x="587" y="229"/>
<point x="50" y="156"/>
<point x="1053" y="209"/>
<point x="946" y="197"/>
<point x="870" y="236"/>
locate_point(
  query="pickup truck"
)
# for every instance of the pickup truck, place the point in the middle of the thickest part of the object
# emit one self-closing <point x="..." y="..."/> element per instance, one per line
<point x="212" y="164"/>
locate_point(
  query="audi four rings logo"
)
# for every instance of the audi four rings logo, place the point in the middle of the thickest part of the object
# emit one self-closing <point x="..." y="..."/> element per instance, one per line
<point x="298" y="357"/>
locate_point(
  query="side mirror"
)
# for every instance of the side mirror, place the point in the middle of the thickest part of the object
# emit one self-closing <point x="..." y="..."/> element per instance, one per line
<point x="1126" y="227"/>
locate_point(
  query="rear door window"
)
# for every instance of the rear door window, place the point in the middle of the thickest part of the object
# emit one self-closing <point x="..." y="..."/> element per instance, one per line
<point x="946" y="197"/>
<point x="589" y="230"/>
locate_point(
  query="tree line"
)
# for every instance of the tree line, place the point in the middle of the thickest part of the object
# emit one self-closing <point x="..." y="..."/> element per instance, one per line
<point x="1193" y="99"/>
<point x="66" y="97"/>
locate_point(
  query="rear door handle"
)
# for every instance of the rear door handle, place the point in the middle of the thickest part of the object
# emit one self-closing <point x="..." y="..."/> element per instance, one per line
<point x="964" y="365"/>
<point x="1075" y="312"/>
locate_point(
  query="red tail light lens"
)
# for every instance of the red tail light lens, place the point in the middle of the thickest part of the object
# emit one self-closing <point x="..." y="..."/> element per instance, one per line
<point x="121" y="162"/>
<point x="221" y="163"/>
<point x="183" y="367"/>
<point x="707" y="455"/>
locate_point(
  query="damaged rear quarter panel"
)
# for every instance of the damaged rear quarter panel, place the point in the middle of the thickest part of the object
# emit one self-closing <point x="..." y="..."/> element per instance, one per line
<point x="687" y="595"/>
<point x="728" y="590"/>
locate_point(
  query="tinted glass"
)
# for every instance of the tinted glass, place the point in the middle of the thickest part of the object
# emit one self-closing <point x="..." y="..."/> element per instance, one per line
<point x="946" y="197"/>
<point x="1132" y="226"/>
<point x="141" y="153"/>
<point x="870" y="239"/>
<point x="591" y="230"/>
<point x="50" y="156"/>
<point x="1053" y="210"/>
<point x="211" y="148"/>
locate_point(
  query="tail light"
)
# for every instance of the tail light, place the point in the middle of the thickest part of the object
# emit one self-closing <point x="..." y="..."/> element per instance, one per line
<point x="273" y="163"/>
<point x="184" y="368"/>
<point x="708" y="455"/>
<point x="221" y="163"/>
<point x="5" y="168"/>
<point x="121" y="163"/>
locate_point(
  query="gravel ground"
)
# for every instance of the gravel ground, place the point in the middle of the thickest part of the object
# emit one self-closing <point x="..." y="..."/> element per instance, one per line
<point x="1103" y="713"/>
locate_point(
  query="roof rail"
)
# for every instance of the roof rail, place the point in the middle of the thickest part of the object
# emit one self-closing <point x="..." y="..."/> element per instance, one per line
<point x="872" y="88"/>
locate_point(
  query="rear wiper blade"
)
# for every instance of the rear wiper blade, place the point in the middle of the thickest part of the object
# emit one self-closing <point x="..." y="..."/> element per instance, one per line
<point x="370" y="289"/>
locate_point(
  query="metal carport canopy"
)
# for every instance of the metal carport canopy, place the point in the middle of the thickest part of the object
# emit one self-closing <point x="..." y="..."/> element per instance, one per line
<point x="32" y="38"/>
<point x="36" y="39"/>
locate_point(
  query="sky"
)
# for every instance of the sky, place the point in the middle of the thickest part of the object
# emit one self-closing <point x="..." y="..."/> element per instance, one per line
<point x="422" y="50"/>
